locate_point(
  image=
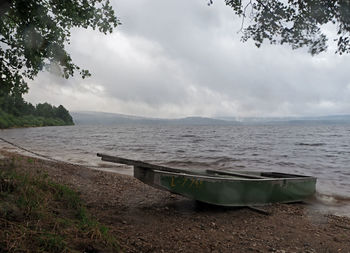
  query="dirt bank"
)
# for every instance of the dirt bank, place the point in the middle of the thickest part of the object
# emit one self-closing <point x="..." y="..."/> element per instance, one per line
<point x="148" y="220"/>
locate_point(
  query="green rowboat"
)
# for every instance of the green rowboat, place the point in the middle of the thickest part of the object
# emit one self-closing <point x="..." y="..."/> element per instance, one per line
<point x="224" y="188"/>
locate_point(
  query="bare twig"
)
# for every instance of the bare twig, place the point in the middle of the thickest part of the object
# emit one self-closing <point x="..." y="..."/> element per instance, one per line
<point x="244" y="15"/>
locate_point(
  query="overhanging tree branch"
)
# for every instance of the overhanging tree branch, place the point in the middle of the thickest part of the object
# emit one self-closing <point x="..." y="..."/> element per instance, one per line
<point x="294" y="22"/>
<point x="34" y="33"/>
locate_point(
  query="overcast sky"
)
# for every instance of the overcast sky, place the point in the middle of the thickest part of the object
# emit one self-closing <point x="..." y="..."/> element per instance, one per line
<point x="184" y="58"/>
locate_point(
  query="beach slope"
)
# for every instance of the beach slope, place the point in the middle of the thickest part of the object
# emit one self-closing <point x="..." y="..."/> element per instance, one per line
<point x="144" y="219"/>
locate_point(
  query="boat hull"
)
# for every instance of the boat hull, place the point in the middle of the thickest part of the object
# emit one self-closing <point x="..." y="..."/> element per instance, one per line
<point x="230" y="191"/>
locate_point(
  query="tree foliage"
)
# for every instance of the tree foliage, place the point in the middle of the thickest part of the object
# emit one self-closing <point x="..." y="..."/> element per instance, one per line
<point x="295" y="22"/>
<point x="34" y="33"/>
<point x="15" y="112"/>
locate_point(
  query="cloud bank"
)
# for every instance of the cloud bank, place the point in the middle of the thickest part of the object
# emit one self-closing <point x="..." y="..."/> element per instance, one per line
<point x="184" y="58"/>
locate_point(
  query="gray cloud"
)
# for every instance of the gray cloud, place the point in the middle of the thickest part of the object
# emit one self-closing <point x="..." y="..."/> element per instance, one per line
<point x="181" y="58"/>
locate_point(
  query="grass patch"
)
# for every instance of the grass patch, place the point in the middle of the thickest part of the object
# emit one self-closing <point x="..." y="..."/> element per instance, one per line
<point x="39" y="215"/>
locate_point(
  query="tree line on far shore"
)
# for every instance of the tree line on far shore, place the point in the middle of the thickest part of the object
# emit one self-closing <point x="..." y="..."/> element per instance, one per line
<point x="15" y="112"/>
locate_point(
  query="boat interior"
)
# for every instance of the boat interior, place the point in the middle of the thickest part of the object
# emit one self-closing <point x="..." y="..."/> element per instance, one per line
<point x="208" y="172"/>
<point x="253" y="174"/>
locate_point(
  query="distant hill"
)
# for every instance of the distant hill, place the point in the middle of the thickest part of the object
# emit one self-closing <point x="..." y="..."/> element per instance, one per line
<point x="102" y="118"/>
<point x="329" y="119"/>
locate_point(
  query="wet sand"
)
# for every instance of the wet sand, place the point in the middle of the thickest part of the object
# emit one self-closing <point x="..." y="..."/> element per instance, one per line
<point x="149" y="220"/>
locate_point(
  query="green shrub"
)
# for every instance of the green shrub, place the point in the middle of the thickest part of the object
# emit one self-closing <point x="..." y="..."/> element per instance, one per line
<point x="38" y="215"/>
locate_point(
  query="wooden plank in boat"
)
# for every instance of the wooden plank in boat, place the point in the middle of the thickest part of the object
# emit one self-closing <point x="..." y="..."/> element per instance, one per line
<point x="236" y="174"/>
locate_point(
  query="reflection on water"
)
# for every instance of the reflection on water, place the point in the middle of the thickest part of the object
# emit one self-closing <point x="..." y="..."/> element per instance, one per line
<point x="319" y="150"/>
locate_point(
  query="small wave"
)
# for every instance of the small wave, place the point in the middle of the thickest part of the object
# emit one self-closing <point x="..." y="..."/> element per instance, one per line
<point x="137" y="149"/>
<point x="78" y="161"/>
<point x="225" y="160"/>
<point x="186" y="164"/>
<point x="286" y="164"/>
<point x="310" y="144"/>
<point x="342" y="152"/>
<point x="333" y="199"/>
<point x="188" y="136"/>
<point x="212" y="150"/>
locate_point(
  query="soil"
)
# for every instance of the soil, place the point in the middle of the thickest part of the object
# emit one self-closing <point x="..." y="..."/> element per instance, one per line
<point x="145" y="219"/>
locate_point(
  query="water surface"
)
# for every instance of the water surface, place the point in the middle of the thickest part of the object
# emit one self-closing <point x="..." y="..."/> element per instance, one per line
<point x="320" y="150"/>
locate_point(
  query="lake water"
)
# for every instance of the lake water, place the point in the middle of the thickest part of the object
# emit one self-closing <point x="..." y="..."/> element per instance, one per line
<point x="321" y="150"/>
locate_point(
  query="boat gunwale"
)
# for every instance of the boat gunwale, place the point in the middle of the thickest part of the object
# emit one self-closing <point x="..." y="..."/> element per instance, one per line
<point x="220" y="178"/>
<point x="182" y="172"/>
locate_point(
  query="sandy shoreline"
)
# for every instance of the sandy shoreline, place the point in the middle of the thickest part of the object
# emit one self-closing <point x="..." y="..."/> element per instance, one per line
<point x="148" y="220"/>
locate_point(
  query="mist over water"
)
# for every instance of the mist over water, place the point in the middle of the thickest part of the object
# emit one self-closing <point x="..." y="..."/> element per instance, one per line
<point x="320" y="150"/>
